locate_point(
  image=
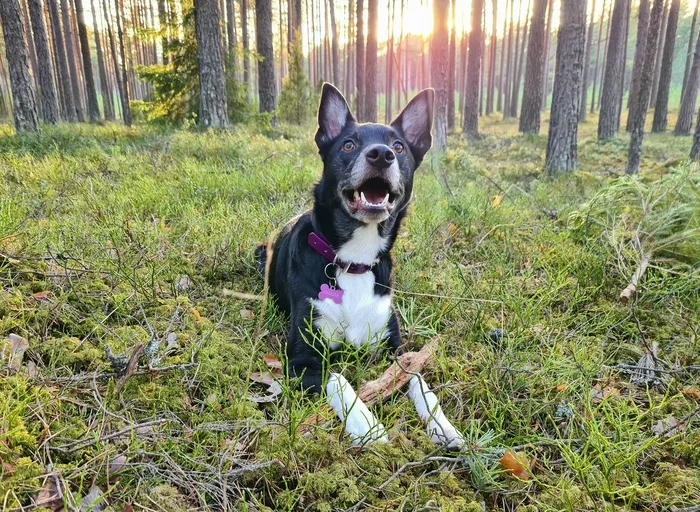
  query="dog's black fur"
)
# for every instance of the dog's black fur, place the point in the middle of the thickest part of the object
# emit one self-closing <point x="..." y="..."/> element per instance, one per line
<point x="296" y="270"/>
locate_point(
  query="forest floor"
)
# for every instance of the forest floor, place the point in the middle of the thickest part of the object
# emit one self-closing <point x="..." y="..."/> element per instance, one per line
<point x="124" y="238"/>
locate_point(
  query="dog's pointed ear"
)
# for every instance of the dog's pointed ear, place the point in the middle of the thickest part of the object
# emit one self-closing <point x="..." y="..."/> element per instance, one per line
<point x="333" y="115"/>
<point x="416" y="121"/>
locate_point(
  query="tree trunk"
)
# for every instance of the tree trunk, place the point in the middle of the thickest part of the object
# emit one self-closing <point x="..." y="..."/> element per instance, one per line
<point x="64" y="82"/>
<point x="492" y="58"/>
<point x="689" y="55"/>
<point x="659" y="53"/>
<point x="163" y="21"/>
<point x="334" y="44"/>
<point x="101" y="67"/>
<point x="438" y="71"/>
<point x="470" y="123"/>
<point x="509" y="64"/>
<point x="695" y="150"/>
<point x="266" y="50"/>
<point x="246" y="42"/>
<point x="212" y="87"/>
<point x="360" y="62"/>
<point x="639" y="56"/>
<point x="31" y="46"/>
<point x="587" y="67"/>
<point x="388" y="90"/>
<point x="124" y="89"/>
<point x="93" y="106"/>
<point x="614" y="73"/>
<point x="690" y="95"/>
<point x="452" y="63"/>
<point x="521" y="64"/>
<point x="563" y="123"/>
<point x="547" y="51"/>
<point x="661" y="108"/>
<point x="49" y="98"/>
<point x="532" y="93"/>
<point x="597" y="57"/>
<point x="72" y="66"/>
<point x="607" y="47"/>
<point x="370" y="110"/>
<point x="502" y="67"/>
<point x="640" y="113"/>
<point x="24" y="107"/>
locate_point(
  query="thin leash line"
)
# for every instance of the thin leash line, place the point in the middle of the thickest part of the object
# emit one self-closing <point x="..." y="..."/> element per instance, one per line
<point x="435" y="296"/>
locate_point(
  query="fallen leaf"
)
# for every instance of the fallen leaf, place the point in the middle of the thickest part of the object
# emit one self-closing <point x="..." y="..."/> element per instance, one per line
<point x="128" y="508"/>
<point x="247" y="314"/>
<point x="271" y="361"/>
<point x="50" y="496"/>
<point x="93" y="501"/>
<point x="516" y="464"/>
<point x="666" y="426"/>
<point x="13" y="350"/>
<point x="601" y="394"/>
<point x="266" y="378"/>
<point x="497" y="199"/>
<point x="9" y="259"/>
<point x="273" y="391"/>
<point x="183" y="284"/>
<point x="691" y="392"/>
<point x="195" y="314"/>
<point x="7" y="468"/>
<point x="561" y="387"/>
<point x="116" y="464"/>
<point x="32" y="370"/>
<point x="452" y="228"/>
<point x="42" y="295"/>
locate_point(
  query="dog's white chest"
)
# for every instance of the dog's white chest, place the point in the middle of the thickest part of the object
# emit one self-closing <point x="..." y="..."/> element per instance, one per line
<point x="362" y="315"/>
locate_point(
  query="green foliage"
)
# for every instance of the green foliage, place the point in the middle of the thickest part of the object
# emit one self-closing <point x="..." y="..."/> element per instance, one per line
<point x="296" y="102"/>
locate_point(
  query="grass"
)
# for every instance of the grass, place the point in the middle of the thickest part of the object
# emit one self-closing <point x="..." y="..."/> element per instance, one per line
<point x="115" y="237"/>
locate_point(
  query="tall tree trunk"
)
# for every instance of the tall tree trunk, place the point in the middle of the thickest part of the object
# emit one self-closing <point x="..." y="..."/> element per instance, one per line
<point x="661" y="108"/>
<point x="72" y="66"/>
<point x="163" y="22"/>
<point x="246" y="43"/>
<point x="438" y="71"/>
<point x="349" y="53"/>
<point x="502" y="66"/>
<point x="370" y="110"/>
<point x="690" y="95"/>
<point x="93" y="106"/>
<point x="334" y="44"/>
<point x="492" y="58"/>
<point x="65" y="87"/>
<point x="532" y="93"/>
<point x="266" y="50"/>
<point x="101" y="67"/>
<point x="509" y="63"/>
<point x="388" y="90"/>
<point x="587" y="67"/>
<point x="639" y="56"/>
<point x="563" y="124"/>
<point x="360" y="62"/>
<point x="470" y="124"/>
<point x="521" y="64"/>
<point x="597" y="58"/>
<point x="640" y="113"/>
<point x="212" y="87"/>
<point x="49" y="98"/>
<point x="451" y="70"/>
<point x="659" y="53"/>
<point x="614" y="74"/>
<point x="124" y="89"/>
<point x="689" y="55"/>
<point x="31" y="46"/>
<point x="547" y="51"/>
<point x="24" y="107"/>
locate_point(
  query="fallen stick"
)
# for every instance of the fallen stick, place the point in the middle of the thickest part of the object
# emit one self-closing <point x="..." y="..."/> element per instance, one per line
<point x="631" y="289"/>
<point x="394" y="378"/>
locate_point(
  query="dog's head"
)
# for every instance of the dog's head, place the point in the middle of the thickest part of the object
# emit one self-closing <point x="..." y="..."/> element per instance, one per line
<point x="368" y="168"/>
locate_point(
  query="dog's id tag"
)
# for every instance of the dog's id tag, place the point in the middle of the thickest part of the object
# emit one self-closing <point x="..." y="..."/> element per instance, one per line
<point x="327" y="292"/>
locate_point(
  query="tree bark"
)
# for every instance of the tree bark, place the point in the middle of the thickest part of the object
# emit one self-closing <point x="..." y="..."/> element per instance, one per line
<point x="639" y="56"/>
<point x="492" y="58"/>
<point x="520" y="65"/>
<point x="640" y="113"/>
<point x="438" y="71"/>
<point x="212" y="88"/>
<point x="587" y="67"/>
<point x="690" y="95"/>
<point x="163" y="22"/>
<point x="452" y="64"/>
<point x="502" y="64"/>
<point x="390" y="57"/>
<point x="470" y="124"/>
<point x="547" y="50"/>
<point x="93" y="106"/>
<point x="360" y="62"/>
<point x="370" y="110"/>
<point x="614" y="73"/>
<point x="24" y="107"/>
<point x="532" y="93"/>
<point x="689" y="55"/>
<point x="659" y="53"/>
<point x="334" y="44"/>
<point x="65" y="88"/>
<point x="563" y="123"/>
<point x="49" y="99"/>
<point x="661" y="109"/>
<point x="265" y="46"/>
<point x="509" y="64"/>
<point x="246" y="43"/>
<point x="124" y="89"/>
<point x="695" y="150"/>
<point x="72" y="66"/>
<point x="102" y="68"/>
<point x="31" y="46"/>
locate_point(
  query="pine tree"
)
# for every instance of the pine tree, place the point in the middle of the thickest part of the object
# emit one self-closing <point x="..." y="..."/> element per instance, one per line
<point x="470" y="119"/>
<point x="661" y="108"/>
<point x="295" y="97"/>
<point x="212" y="88"/>
<point x="50" y="112"/>
<point x="266" y="50"/>
<point x="608" y="123"/>
<point x="438" y="71"/>
<point x="532" y="93"/>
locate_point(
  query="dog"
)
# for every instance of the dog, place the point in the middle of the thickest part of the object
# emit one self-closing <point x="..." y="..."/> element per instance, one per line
<point x="330" y="268"/>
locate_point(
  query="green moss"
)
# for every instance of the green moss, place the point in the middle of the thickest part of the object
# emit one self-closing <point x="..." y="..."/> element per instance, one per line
<point x="69" y="351"/>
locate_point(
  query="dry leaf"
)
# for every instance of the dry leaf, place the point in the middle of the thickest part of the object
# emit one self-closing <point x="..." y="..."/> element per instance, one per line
<point x="666" y="426"/>
<point x="561" y="387"/>
<point x="274" y="390"/>
<point x="7" y="468"/>
<point x="516" y="464"/>
<point x="50" y="496"/>
<point x="601" y="394"/>
<point x="13" y="350"/>
<point x="116" y="465"/>
<point x="93" y="500"/>
<point x="128" y="508"/>
<point x="271" y="361"/>
<point x="183" y="284"/>
<point x="497" y="199"/>
<point x="195" y="314"/>
<point x="262" y="378"/>
<point x="691" y="392"/>
<point x="9" y="259"/>
<point x="247" y="314"/>
<point x="42" y="295"/>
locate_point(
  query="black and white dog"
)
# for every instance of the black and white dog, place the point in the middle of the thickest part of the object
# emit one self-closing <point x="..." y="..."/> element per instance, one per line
<point x="331" y="268"/>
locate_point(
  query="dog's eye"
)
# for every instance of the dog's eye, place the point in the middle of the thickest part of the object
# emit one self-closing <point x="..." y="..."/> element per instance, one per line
<point x="398" y="147"/>
<point x="348" y="145"/>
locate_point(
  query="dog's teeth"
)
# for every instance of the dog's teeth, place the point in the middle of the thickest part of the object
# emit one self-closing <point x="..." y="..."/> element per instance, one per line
<point x="356" y="196"/>
<point x="386" y="199"/>
<point x="364" y="199"/>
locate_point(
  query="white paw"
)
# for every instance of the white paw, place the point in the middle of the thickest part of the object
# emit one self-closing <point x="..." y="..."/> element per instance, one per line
<point x="439" y="428"/>
<point x="445" y="434"/>
<point x="360" y="424"/>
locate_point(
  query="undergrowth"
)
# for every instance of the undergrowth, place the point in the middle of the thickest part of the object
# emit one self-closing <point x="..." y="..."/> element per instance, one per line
<point x="111" y="239"/>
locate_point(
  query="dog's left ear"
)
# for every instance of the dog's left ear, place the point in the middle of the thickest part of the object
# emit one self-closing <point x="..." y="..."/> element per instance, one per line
<point x="416" y="121"/>
<point x="333" y="115"/>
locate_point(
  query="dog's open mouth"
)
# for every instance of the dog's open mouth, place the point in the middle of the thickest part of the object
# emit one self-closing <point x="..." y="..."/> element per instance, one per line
<point x="373" y="196"/>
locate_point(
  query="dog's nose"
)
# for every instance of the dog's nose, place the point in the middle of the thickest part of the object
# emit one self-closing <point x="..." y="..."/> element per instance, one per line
<point x="380" y="156"/>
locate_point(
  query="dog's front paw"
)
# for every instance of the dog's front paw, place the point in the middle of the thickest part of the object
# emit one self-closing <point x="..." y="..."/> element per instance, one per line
<point x="360" y="424"/>
<point x="444" y="434"/>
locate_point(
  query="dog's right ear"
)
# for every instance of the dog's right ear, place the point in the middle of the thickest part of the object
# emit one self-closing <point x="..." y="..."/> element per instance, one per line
<point x="333" y="115"/>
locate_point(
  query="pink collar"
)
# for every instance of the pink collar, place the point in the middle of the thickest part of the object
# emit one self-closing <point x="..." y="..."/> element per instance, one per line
<point x="319" y="244"/>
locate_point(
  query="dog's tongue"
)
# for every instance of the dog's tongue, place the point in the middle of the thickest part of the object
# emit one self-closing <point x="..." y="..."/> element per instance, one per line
<point x="375" y="190"/>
